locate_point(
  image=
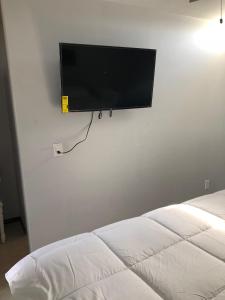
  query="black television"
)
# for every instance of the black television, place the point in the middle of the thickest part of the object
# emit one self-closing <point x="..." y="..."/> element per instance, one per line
<point x="96" y="78"/>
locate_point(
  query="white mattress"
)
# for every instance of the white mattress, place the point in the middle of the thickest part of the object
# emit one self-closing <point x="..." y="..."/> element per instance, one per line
<point x="173" y="253"/>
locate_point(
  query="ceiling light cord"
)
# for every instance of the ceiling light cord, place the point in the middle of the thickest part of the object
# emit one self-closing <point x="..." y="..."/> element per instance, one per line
<point x="221" y="19"/>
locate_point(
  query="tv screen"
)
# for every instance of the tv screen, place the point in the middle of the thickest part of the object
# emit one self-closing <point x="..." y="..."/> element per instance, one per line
<point x="96" y="78"/>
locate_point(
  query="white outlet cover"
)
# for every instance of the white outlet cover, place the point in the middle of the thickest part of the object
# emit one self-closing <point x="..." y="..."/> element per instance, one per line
<point x="207" y="184"/>
<point x="57" y="148"/>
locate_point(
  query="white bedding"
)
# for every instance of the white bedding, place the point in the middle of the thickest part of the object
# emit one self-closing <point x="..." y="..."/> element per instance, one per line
<point x="176" y="252"/>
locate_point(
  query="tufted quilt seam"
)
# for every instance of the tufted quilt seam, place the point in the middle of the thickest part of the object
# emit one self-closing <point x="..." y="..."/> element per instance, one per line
<point x="129" y="267"/>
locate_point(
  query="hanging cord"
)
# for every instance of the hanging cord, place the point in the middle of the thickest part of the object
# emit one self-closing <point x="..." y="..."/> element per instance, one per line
<point x="78" y="143"/>
<point x="221" y="19"/>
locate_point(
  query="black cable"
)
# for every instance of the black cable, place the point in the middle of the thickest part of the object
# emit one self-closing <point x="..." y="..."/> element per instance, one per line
<point x="100" y="115"/>
<point x="221" y="19"/>
<point x="78" y="143"/>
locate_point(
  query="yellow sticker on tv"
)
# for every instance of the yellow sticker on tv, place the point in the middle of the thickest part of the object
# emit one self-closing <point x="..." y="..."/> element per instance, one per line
<point x="65" y="104"/>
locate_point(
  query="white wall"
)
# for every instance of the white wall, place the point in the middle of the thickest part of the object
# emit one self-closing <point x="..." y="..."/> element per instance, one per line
<point x="139" y="159"/>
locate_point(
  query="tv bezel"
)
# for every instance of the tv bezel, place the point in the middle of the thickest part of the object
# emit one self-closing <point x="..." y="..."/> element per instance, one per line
<point x="61" y="44"/>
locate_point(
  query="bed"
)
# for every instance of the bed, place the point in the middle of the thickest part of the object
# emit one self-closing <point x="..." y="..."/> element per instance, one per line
<point x="172" y="253"/>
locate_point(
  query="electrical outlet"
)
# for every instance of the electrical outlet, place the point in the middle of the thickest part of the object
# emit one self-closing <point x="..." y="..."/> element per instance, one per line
<point x="207" y="184"/>
<point x="57" y="150"/>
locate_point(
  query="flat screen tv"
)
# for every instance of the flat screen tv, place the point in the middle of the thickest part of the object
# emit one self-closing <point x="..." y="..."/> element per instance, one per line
<point x="95" y="78"/>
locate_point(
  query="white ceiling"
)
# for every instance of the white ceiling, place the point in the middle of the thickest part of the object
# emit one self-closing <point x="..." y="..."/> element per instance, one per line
<point x="205" y="9"/>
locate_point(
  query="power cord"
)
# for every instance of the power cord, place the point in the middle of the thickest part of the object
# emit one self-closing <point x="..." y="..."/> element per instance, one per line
<point x="221" y="19"/>
<point x="78" y="143"/>
<point x="100" y="115"/>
